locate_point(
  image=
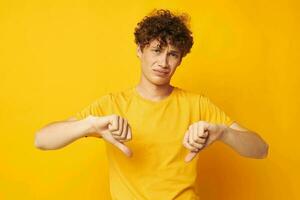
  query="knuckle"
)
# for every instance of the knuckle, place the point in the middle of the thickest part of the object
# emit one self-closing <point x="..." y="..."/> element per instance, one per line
<point x="127" y="139"/>
<point x="202" y="141"/>
<point x="185" y="144"/>
<point x="117" y="132"/>
<point x="193" y="148"/>
<point x="116" y="136"/>
<point x="197" y="145"/>
<point x="190" y="148"/>
<point x="198" y="140"/>
<point x="123" y="137"/>
<point x="114" y="116"/>
<point x="201" y="123"/>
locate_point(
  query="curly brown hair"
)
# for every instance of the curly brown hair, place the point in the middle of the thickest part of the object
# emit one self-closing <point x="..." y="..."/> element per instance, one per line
<point x="167" y="28"/>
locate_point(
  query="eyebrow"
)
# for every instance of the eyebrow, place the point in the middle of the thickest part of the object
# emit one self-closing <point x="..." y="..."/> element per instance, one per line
<point x="162" y="47"/>
<point x="157" y="46"/>
<point x="174" y="51"/>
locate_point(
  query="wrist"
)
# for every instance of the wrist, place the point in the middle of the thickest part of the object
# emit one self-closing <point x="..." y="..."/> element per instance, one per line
<point x="90" y="121"/>
<point x="224" y="132"/>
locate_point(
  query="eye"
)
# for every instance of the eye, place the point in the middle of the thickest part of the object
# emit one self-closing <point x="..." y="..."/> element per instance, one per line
<point x="156" y="50"/>
<point x="174" y="55"/>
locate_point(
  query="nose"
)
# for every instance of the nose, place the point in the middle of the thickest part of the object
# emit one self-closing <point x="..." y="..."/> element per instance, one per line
<point x="163" y="60"/>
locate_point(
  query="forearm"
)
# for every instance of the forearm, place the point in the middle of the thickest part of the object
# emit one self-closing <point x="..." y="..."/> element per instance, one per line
<point x="246" y="143"/>
<point x="60" y="134"/>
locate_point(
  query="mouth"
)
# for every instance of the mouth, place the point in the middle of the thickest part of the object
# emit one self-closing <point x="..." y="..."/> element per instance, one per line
<point x="160" y="73"/>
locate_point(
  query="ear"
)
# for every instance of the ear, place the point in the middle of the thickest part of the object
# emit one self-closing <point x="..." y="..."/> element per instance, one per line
<point x="139" y="52"/>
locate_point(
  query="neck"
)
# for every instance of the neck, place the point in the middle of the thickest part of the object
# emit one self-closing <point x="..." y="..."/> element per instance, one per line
<point x="152" y="91"/>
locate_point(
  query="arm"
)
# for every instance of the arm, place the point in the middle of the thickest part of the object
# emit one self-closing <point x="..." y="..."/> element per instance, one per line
<point x="201" y="134"/>
<point x="245" y="142"/>
<point x="59" y="134"/>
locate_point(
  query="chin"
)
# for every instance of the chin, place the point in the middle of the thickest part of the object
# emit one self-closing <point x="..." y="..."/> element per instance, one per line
<point x="160" y="82"/>
<point x="155" y="80"/>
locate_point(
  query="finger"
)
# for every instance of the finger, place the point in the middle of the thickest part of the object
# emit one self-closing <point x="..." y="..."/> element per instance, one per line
<point x="108" y="137"/>
<point x="200" y="130"/>
<point x="113" y="126"/>
<point x="207" y="138"/>
<point x="118" y="132"/>
<point x="196" y="139"/>
<point x="186" y="137"/>
<point x="197" y="145"/>
<point x="201" y="140"/>
<point x="190" y="156"/>
<point x="199" y="133"/>
<point x="129" y="134"/>
<point x="205" y="134"/>
<point x="124" y="132"/>
<point x="190" y="135"/>
<point x="186" y="143"/>
<point x="191" y="141"/>
<point x="194" y="136"/>
<point x="195" y="132"/>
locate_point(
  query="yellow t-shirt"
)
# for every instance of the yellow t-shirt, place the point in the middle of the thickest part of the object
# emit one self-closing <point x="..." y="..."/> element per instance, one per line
<point x="157" y="169"/>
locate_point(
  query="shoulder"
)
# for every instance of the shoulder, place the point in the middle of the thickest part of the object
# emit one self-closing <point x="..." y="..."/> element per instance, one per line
<point x="122" y="95"/>
<point x="103" y="98"/>
<point x="116" y="96"/>
<point x="190" y="94"/>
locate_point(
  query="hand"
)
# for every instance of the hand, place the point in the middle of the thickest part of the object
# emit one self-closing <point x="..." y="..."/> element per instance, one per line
<point x="200" y="135"/>
<point x="114" y="129"/>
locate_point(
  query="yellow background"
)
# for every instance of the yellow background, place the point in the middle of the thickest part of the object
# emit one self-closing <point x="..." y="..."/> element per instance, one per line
<point x="56" y="57"/>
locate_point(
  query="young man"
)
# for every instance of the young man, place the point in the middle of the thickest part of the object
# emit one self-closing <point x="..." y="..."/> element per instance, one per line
<point x="160" y="128"/>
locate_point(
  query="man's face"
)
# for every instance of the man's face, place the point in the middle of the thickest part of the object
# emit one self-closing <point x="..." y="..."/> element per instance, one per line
<point x="159" y="62"/>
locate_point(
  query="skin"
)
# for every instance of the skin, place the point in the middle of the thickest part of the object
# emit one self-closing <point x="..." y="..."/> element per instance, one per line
<point x="154" y="86"/>
<point x="200" y="134"/>
<point x="155" y="57"/>
<point x="114" y="129"/>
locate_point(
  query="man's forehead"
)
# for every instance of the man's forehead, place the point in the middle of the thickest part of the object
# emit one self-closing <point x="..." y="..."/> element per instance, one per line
<point x="157" y="43"/>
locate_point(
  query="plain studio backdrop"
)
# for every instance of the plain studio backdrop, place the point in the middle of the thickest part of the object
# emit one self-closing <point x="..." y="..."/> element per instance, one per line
<point x="58" y="56"/>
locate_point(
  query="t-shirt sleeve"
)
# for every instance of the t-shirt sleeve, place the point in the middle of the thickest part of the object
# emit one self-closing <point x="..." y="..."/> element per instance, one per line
<point x="212" y="113"/>
<point x="96" y="108"/>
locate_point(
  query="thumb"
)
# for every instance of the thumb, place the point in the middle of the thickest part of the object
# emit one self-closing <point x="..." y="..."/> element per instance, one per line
<point x="108" y="137"/>
<point x="190" y="156"/>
